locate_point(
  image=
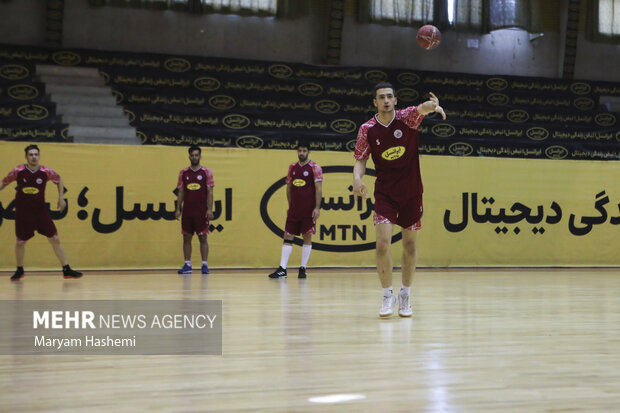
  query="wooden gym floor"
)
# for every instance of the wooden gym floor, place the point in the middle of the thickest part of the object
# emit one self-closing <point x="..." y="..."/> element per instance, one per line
<point x="479" y="341"/>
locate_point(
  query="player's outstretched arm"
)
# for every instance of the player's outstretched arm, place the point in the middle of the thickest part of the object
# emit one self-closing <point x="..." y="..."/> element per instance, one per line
<point x="359" y="187"/>
<point x="431" y="105"/>
<point x="2" y="185"/>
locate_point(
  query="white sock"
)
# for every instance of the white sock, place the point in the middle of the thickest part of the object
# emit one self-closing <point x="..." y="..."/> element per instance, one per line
<point x="189" y="263"/>
<point x="204" y="263"/>
<point x="387" y="291"/>
<point x="286" y="253"/>
<point x="305" y="254"/>
<point x="405" y="289"/>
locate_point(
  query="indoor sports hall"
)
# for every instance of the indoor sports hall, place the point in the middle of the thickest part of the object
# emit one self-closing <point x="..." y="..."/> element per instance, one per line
<point x="515" y="293"/>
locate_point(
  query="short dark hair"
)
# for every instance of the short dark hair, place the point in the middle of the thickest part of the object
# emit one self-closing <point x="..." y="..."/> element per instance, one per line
<point x="384" y="85"/>
<point x="194" y="148"/>
<point x="30" y="147"/>
<point x="302" y="144"/>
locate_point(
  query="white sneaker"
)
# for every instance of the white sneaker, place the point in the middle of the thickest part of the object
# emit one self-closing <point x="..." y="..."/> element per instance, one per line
<point x="389" y="305"/>
<point x="404" y="307"/>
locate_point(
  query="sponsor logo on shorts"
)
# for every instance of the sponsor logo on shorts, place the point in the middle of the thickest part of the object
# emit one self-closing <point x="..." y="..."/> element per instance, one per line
<point x="299" y="182"/>
<point x="30" y="190"/>
<point x="393" y="153"/>
<point x="193" y="186"/>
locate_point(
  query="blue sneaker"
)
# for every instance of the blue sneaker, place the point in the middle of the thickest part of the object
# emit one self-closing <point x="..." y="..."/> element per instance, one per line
<point x="205" y="269"/>
<point x="187" y="269"/>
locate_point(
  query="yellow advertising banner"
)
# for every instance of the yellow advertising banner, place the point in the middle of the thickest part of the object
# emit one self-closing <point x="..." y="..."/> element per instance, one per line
<point x="477" y="211"/>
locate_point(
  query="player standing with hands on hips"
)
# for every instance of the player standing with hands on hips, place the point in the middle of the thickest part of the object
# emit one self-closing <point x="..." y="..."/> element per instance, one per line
<point x="30" y="211"/>
<point x="195" y="208"/>
<point x="391" y="138"/>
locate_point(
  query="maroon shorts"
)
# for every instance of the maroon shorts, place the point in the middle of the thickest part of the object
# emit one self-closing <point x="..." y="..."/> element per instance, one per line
<point x="297" y="226"/>
<point x="27" y="223"/>
<point x="197" y="224"/>
<point x="404" y="214"/>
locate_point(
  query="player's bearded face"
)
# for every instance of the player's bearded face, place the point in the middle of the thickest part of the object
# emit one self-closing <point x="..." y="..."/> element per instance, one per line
<point x="302" y="154"/>
<point x="194" y="158"/>
<point x="385" y="100"/>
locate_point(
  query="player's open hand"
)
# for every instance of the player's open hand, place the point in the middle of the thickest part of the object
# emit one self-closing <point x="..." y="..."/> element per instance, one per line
<point x="62" y="204"/>
<point x="209" y="215"/>
<point x="436" y="106"/>
<point x="359" y="188"/>
<point x="177" y="214"/>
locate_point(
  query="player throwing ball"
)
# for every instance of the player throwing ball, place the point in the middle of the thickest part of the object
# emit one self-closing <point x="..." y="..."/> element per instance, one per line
<point x="391" y="138"/>
<point x="303" y="191"/>
<point x="31" y="214"/>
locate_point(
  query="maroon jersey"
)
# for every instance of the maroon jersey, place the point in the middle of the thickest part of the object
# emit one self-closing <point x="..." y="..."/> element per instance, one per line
<point x="195" y="184"/>
<point x="394" y="150"/>
<point x="30" y="195"/>
<point x="303" y="191"/>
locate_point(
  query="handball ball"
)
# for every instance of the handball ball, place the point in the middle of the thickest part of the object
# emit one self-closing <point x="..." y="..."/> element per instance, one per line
<point x="428" y="37"/>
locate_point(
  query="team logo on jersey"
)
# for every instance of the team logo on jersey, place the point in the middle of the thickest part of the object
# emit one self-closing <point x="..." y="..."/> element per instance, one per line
<point x="193" y="186"/>
<point x="199" y="177"/>
<point x="30" y="190"/>
<point x="393" y="153"/>
<point x="398" y="133"/>
<point x="299" y="182"/>
<point x="39" y="181"/>
<point x="306" y="173"/>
